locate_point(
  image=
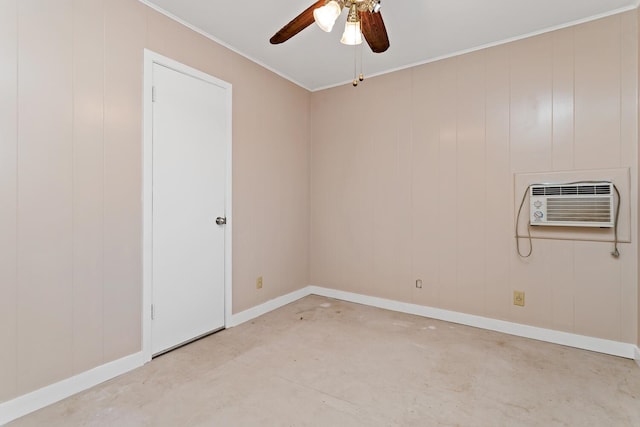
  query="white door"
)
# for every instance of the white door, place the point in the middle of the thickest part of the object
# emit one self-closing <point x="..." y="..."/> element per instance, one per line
<point x="188" y="179"/>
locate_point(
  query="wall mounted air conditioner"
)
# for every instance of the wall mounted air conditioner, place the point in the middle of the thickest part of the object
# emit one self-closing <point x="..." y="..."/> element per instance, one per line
<point x="573" y="205"/>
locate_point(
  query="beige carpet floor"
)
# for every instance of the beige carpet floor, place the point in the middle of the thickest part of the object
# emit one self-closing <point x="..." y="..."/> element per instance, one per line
<point x="323" y="362"/>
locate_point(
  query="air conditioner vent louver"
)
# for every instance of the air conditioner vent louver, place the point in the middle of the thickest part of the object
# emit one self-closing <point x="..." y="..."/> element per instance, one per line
<point x="577" y="205"/>
<point x="556" y="190"/>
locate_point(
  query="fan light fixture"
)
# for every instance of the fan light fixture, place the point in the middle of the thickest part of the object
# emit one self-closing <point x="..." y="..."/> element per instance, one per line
<point x="326" y="15"/>
<point x="352" y="34"/>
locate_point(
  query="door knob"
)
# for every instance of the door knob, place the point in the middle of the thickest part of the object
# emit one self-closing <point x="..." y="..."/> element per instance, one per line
<point x="221" y="220"/>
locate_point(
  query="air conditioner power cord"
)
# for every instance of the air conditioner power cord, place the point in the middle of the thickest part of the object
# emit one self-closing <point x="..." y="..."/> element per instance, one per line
<point x="615" y="253"/>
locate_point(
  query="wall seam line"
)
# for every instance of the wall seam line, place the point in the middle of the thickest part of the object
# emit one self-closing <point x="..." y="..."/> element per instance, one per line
<point x="620" y="161"/>
<point x="553" y="102"/>
<point x="309" y="184"/>
<point x="573" y="165"/>
<point x="17" y="220"/>
<point x="104" y="92"/>
<point x="486" y="192"/>
<point x="510" y="172"/>
<point x="573" y="99"/>
<point x="73" y="189"/>
<point x="457" y="176"/>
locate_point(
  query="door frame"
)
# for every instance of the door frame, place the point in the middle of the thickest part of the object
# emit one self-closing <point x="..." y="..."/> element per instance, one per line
<point x="151" y="58"/>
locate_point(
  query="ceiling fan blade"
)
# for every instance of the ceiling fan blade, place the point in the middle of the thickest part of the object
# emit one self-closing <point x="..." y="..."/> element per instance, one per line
<point x="297" y="24"/>
<point x="374" y="31"/>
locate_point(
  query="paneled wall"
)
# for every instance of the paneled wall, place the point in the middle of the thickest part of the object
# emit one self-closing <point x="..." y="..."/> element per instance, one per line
<point x="71" y="180"/>
<point x="638" y="177"/>
<point x="417" y="181"/>
<point x="8" y="196"/>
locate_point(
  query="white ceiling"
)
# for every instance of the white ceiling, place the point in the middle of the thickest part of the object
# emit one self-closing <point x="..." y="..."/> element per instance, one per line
<point x="419" y="31"/>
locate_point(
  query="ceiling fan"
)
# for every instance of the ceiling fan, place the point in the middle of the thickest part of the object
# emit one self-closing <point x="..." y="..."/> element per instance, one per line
<point x="364" y="19"/>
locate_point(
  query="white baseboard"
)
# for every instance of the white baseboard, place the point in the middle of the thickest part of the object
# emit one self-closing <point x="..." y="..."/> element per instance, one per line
<point x="259" y="310"/>
<point x="45" y="396"/>
<point x="599" y="345"/>
<point x="557" y="337"/>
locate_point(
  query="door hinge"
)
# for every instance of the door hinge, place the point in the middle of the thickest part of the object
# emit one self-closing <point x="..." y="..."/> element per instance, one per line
<point x="153" y="94"/>
<point x="152" y="312"/>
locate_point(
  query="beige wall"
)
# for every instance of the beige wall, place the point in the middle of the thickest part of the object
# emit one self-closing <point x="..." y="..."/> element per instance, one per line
<point x="413" y="176"/>
<point x="70" y="180"/>
<point x="638" y="181"/>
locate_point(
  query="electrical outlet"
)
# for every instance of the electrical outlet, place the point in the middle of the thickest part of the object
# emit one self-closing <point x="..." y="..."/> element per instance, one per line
<point x="259" y="282"/>
<point x="419" y="284"/>
<point x="518" y="298"/>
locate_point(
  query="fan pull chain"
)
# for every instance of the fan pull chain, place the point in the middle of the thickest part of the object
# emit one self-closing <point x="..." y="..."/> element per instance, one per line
<point x="361" y="76"/>
<point x="355" y="65"/>
<point x="357" y="77"/>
